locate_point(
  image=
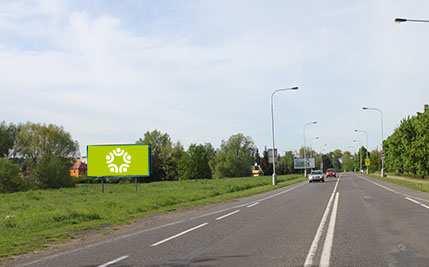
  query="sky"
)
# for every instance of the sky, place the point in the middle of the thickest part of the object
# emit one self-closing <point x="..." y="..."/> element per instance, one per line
<point x="108" y="71"/>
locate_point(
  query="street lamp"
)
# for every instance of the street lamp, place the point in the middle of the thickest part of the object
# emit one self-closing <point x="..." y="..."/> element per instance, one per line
<point x="367" y="148"/>
<point x="305" y="144"/>
<point x="360" y="154"/>
<point x="272" y="127"/>
<point x="382" y="136"/>
<point x="400" y="20"/>
<point x="321" y="157"/>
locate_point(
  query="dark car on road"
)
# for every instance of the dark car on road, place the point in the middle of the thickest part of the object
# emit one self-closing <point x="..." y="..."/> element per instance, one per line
<point x="331" y="173"/>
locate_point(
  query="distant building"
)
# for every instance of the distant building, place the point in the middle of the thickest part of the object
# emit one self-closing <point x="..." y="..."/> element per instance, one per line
<point x="79" y="168"/>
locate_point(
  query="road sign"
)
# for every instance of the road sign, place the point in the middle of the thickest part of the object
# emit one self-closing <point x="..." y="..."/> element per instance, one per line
<point x="299" y="163"/>
<point x="118" y="160"/>
<point x="367" y="162"/>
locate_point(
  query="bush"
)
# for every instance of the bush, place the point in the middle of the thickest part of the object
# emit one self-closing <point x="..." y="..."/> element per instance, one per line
<point x="10" y="177"/>
<point x="53" y="172"/>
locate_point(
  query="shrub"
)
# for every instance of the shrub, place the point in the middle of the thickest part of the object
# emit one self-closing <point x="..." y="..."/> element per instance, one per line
<point x="10" y="177"/>
<point x="53" y="172"/>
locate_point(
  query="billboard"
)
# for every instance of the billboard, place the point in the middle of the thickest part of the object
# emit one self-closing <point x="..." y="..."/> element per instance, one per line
<point x="298" y="163"/>
<point x="118" y="160"/>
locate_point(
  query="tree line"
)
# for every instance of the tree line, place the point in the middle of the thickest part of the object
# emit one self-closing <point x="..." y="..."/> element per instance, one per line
<point x="35" y="156"/>
<point x="407" y="149"/>
<point x="40" y="156"/>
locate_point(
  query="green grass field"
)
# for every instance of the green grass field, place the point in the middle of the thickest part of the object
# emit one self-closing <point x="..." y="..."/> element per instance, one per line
<point x="36" y="219"/>
<point x="412" y="183"/>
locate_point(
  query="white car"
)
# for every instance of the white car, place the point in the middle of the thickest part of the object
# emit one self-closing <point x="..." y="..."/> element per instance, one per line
<point x="316" y="175"/>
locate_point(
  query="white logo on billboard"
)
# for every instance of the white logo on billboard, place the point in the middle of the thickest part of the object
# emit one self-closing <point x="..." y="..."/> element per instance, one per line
<point x="121" y="167"/>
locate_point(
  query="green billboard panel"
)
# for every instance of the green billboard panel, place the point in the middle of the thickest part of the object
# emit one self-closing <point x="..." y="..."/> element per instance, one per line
<point x="118" y="160"/>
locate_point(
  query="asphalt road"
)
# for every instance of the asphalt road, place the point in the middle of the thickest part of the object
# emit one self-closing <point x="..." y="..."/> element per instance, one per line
<point x="350" y="221"/>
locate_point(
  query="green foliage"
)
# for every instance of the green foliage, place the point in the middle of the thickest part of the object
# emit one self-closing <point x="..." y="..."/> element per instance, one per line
<point x="195" y="162"/>
<point x="165" y="155"/>
<point x="407" y="149"/>
<point x="53" y="172"/>
<point x="285" y="163"/>
<point x="36" y="141"/>
<point x="10" y="177"/>
<point x="347" y="160"/>
<point x="33" y="219"/>
<point x="235" y="157"/>
<point x="7" y="138"/>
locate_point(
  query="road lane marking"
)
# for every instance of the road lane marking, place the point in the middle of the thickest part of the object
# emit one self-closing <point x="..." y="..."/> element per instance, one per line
<point x="113" y="261"/>
<point x="313" y="248"/>
<point x="179" y="234"/>
<point x="252" y="205"/>
<point x="412" y="200"/>
<point x="392" y="190"/>
<point x="226" y="215"/>
<point x="125" y="236"/>
<point x="416" y="202"/>
<point x="327" y="245"/>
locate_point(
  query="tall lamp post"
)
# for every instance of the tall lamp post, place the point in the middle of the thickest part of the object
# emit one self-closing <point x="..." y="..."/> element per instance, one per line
<point x="321" y="157"/>
<point x="305" y="144"/>
<point x="382" y="136"/>
<point x="272" y="127"/>
<point x="360" y="154"/>
<point x="367" y="148"/>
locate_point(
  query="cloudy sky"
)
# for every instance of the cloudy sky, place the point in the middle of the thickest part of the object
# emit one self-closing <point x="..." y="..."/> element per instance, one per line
<point x="203" y="70"/>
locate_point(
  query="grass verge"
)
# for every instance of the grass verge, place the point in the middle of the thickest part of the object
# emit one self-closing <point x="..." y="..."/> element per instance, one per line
<point x="35" y="219"/>
<point x="412" y="183"/>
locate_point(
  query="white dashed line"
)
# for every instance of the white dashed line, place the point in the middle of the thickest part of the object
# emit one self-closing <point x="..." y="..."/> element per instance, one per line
<point x="226" y="215"/>
<point x="253" y="204"/>
<point x="113" y="261"/>
<point x="179" y="234"/>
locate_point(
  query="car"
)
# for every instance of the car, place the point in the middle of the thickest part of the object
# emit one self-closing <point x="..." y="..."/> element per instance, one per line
<point x="331" y="173"/>
<point x="316" y="175"/>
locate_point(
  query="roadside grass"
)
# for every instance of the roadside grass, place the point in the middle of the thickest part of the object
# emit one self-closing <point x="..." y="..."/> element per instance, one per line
<point x="36" y="219"/>
<point x="416" y="184"/>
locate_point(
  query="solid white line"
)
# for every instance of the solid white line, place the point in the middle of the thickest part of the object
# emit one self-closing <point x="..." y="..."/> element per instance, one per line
<point x="253" y="204"/>
<point x="414" y="201"/>
<point x="226" y="215"/>
<point x="327" y="245"/>
<point x="418" y="203"/>
<point x="424" y="206"/>
<point x="313" y="248"/>
<point x="114" y="261"/>
<point x="179" y="234"/>
<point x="394" y="191"/>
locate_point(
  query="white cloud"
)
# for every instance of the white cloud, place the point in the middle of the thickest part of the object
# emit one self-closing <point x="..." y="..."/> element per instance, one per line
<point x="204" y="71"/>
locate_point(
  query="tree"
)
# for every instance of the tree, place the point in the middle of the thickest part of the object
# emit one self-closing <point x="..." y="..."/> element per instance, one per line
<point x="53" y="172"/>
<point x="7" y="138"/>
<point x="347" y="160"/>
<point x="38" y="141"/>
<point x="285" y="163"/>
<point x="10" y="177"/>
<point x="48" y="152"/>
<point x="235" y="157"/>
<point x="407" y="148"/>
<point x="165" y="155"/>
<point x="195" y="164"/>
